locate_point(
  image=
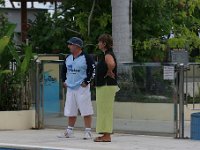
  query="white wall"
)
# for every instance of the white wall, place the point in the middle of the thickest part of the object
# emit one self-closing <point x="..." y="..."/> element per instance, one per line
<point x="17" y="120"/>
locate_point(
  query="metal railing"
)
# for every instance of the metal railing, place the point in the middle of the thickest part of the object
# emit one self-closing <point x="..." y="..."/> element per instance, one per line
<point x="192" y="84"/>
<point x="187" y="92"/>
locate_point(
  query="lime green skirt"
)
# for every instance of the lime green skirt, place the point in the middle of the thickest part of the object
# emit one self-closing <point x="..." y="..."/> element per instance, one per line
<point x="105" y="96"/>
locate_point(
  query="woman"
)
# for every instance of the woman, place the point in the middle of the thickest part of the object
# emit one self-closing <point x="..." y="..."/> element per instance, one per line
<point x="106" y="88"/>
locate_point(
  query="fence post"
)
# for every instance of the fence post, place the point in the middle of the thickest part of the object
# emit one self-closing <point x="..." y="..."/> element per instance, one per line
<point x="42" y="95"/>
<point x="38" y="97"/>
<point x="181" y="101"/>
<point x="61" y="91"/>
<point x="175" y="97"/>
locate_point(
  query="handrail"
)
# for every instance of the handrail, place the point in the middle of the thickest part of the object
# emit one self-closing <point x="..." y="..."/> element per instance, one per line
<point x="52" y="61"/>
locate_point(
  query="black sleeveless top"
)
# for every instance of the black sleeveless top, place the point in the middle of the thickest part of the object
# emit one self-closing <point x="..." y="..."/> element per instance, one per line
<point x="102" y="69"/>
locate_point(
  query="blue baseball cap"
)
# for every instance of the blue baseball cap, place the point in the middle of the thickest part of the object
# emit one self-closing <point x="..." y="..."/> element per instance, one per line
<point x="75" y="41"/>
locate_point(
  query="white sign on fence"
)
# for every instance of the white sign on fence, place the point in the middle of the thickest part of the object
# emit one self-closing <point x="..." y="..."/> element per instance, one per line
<point x="168" y="73"/>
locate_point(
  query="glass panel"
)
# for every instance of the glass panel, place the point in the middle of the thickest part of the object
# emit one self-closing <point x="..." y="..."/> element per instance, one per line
<point x="144" y="83"/>
<point x="51" y="88"/>
<point x="144" y="102"/>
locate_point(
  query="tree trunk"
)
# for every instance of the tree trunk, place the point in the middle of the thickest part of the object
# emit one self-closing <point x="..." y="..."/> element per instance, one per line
<point x="122" y="30"/>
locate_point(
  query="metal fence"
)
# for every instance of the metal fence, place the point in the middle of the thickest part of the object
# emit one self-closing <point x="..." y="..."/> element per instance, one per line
<point x="139" y="83"/>
<point x="146" y="101"/>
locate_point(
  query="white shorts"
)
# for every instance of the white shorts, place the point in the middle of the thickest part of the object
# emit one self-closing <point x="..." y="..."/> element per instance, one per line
<point x="78" y="100"/>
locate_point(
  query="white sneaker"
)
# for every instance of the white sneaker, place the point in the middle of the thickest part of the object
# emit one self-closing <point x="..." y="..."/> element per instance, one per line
<point x="67" y="134"/>
<point x="88" y="135"/>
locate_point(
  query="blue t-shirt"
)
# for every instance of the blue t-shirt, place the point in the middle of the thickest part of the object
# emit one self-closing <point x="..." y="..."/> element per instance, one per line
<point x="78" y="70"/>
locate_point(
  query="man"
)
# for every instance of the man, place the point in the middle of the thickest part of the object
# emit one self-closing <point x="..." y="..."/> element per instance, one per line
<point x="78" y="70"/>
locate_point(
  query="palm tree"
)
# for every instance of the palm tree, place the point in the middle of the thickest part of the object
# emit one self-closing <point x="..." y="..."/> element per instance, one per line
<point x="122" y="30"/>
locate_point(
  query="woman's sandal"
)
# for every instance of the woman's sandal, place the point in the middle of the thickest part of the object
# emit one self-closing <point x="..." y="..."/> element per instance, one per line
<point x="101" y="139"/>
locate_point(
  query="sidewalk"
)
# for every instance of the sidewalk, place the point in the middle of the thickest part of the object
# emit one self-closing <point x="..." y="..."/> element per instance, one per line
<point x="47" y="139"/>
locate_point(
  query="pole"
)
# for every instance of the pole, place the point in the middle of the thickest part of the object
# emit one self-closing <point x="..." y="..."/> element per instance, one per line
<point x="61" y="91"/>
<point x="193" y="88"/>
<point x="181" y="101"/>
<point x="175" y="97"/>
<point x="37" y="97"/>
<point x="42" y="96"/>
<point x="23" y="20"/>
<point x="39" y="101"/>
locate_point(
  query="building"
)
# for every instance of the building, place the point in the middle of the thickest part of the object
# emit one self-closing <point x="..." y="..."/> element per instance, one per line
<point x="14" y="15"/>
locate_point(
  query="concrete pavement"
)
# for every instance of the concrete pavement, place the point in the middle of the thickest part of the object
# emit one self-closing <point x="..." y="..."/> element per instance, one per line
<point x="47" y="139"/>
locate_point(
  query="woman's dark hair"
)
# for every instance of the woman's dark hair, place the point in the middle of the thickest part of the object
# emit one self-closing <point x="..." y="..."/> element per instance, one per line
<point x="107" y="39"/>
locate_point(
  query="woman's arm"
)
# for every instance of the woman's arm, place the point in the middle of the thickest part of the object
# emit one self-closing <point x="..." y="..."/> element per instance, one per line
<point x="110" y="64"/>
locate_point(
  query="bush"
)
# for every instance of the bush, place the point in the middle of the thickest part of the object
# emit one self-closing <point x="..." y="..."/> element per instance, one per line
<point x="14" y="94"/>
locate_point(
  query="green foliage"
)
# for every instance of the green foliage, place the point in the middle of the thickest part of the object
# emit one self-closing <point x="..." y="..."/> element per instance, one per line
<point x="5" y="39"/>
<point x="152" y="19"/>
<point x="4" y="42"/>
<point x="197" y="59"/>
<point x="186" y="39"/>
<point x="153" y="47"/>
<point x="2" y="2"/>
<point x="81" y="20"/>
<point x="104" y="20"/>
<point x="23" y="64"/>
<point x="50" y="33"/>
<point x="4" y="54"/>
<point x="4" y="25"/>
<point x="12" y="81"/>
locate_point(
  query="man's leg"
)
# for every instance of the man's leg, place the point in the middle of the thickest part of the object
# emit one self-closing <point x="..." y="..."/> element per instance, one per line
<point x="69" y="131"/>
<point x="71" y="121"/>
<point x="85" y="106"/>
<point x="88" y="121"/>
<point x="70" y="111"/>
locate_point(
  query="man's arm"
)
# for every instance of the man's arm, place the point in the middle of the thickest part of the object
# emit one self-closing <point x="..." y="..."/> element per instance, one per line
<point x="90" y="70"/>
<point x="64" y="72"/>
